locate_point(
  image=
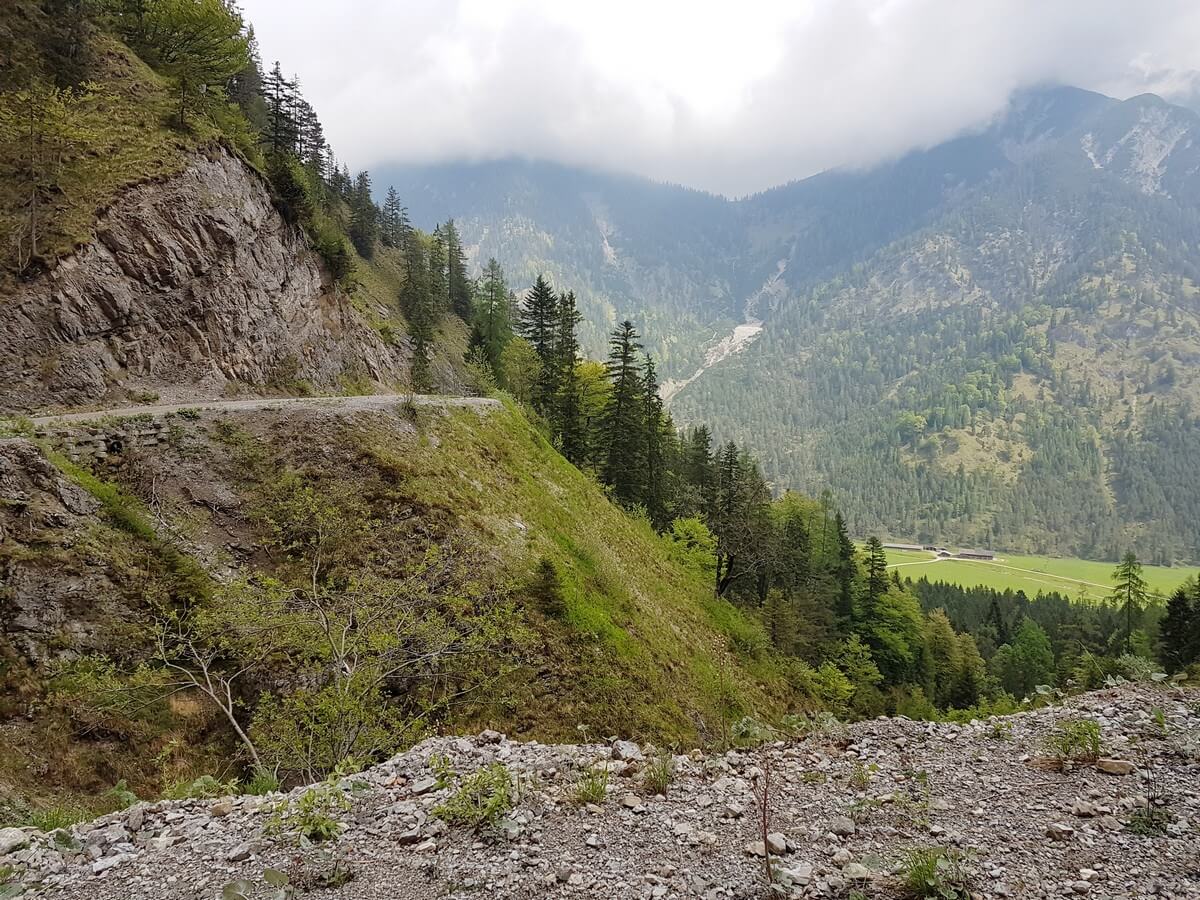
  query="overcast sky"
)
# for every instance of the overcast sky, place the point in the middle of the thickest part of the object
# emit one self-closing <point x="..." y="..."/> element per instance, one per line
<point x="731" y="97"/>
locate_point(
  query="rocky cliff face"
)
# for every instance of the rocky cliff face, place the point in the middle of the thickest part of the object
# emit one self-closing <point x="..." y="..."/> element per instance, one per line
<point x="190" y="285"/>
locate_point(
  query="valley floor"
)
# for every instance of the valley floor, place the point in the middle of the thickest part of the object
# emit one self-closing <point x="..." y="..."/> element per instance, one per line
<point x="846" y="804"/>
<point x="1085" y="579"/>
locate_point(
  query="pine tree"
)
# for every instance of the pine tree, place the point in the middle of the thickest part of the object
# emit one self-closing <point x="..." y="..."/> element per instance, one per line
<point x="280" y="96"/>
<point x="568" y="400"/>
<point x="1179" y="630"/>
<point x="364" y="217"/>
<point x="492" y="328"/>
<point x="417" y="304"/>
<point x="624" y="465"/>
<point x="699" y="472"/>
<point x="394" y="225"/>
<point x="1130" y="593"/>
<point x="439" y="292"/>
<point x="654" y="491"/>
<point x="844" y="572"/>
<point x="459" y="285"/>
<point x="877" y="581"/>
<point x="539" y="324"/>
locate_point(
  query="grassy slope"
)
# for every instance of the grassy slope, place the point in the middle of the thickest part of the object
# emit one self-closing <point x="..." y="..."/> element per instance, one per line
<point x="648" y="650"/>
<point x="1081" y="578"/>
<point x="644" y="650"/>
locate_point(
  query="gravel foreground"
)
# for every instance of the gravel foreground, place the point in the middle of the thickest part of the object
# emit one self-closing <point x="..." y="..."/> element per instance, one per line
<point x="846" y="804"/>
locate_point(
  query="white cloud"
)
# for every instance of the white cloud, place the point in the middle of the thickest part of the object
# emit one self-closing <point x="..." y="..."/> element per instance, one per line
<point x="731" y="97"/>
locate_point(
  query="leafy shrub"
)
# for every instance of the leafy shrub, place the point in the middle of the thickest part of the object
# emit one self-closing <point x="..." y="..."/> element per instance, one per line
<point x="314" y="815"/>
<point x="119" y="796"/>
<point x="1136" y="668"/>
<point x="1001" y="729"/>
<point x="690" y="543"/>
<point x="935" y="873"/>
<point x="592" y="787"/>
<point x="481" y="798"/>
<point x="1074" y="739"/>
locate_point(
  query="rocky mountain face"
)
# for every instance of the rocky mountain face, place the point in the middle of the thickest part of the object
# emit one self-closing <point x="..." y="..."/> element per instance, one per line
<point x="979" y="343"/>
<point x="1009" y="810"/>
<point x="193" y="286"/>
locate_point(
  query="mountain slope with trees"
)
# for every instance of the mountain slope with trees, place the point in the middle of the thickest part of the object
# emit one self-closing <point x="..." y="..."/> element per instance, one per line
<point x="993" y="341"/>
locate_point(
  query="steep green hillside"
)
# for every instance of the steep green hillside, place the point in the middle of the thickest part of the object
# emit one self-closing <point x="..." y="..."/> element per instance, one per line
<point x="993" y="341"/>
<point x="454" y="516"/>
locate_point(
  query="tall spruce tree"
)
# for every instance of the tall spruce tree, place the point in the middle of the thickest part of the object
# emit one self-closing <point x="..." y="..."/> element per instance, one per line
<point x="539" y="324"/>
<point x="417" y="303"/>
<point x="568" y="401"/>
<point x="364" y="216"/>
<point x="877" y="580"/>
<point x="394" y="224"/>
<point x="845" y="570"/>
<point x="654" y="494"/>
<point x="458" y="283"/>
<point x="1130" y="593"/>
<point x="439" y="291"/>
<point x="624" y="465"/>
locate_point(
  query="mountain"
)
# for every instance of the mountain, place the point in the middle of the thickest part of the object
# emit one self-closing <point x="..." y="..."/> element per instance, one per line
<point x="993" y="340"/>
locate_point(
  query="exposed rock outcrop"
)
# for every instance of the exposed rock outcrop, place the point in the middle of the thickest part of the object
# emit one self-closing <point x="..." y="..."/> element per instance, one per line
<point x="846" y="805"/>
<point x="191" y="283"/>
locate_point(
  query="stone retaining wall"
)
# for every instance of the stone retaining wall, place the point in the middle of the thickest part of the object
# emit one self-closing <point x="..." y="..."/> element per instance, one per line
<point x="97" y="441"/>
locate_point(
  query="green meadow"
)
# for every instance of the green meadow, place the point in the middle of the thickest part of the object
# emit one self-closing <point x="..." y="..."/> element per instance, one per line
<point x="1082" y="578"/>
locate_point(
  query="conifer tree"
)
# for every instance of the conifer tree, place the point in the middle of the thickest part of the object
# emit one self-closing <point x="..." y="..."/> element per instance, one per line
<point x="845" y="572"/>
<point x="568" y="401"/>
<point x="394" y="226"/>
<point x="539" y="324"/>
<point x="623" y="423"/>
<point x="654" y="491"/>
<point x="458" y="284"/>
<point x="439" y="296"/>
<point x="280" y="96"/>
<point x="1130" y="593"/>
<point x="1179" y="630"/>
<point x="417" y="304"/>
<point x="877" y="580"/>
<point x="492" y="329"/>
<point x="364" y="217"/>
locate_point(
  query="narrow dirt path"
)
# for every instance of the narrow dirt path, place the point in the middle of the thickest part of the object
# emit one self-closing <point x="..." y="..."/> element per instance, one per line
<point x="366" y="402"/>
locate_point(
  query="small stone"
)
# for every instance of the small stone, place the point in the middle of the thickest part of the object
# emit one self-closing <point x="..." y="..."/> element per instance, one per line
<point x="627" y="751"/>
<point x="11" y="840"/>
<point x="424" y="785"/>
<point x="1081" y="886"/>
<point x="1059" y="831"/>
<point x="240" y="853"/>
<point x="842" y="857"/>
<point x="856" y="872"/>
<point x="843" y="826"/>
<point x="777" y="843"/>
<point x="631" y="801"/>
<point x="135" y="817"/>
<point x="426" y="846"/>
<point x="732" y="810"/>
<point x="1115" y="766"/>
<point x="756" y="848"/>
<point x="575" y="879"/>
<point x="109" y="862"/>
<point x="563" y="874"/>
<point x="221" y="808"/>
<point x="594" y="841"/>
<point x="1083" y="809"/>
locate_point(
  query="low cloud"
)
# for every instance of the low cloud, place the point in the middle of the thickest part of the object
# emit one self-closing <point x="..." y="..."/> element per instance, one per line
<point x="732" y="100"/>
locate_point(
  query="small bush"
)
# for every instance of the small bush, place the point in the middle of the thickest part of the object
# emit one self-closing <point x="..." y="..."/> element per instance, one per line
<point x="592" y="787"/>
<point x="860" y="776"/>
<point x="1074" y="739"/>
<point x="481" y="798"/>
<point x="1001" y="729"/>
<point x="935" y="873"/>
<point x="314" y="816"/>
